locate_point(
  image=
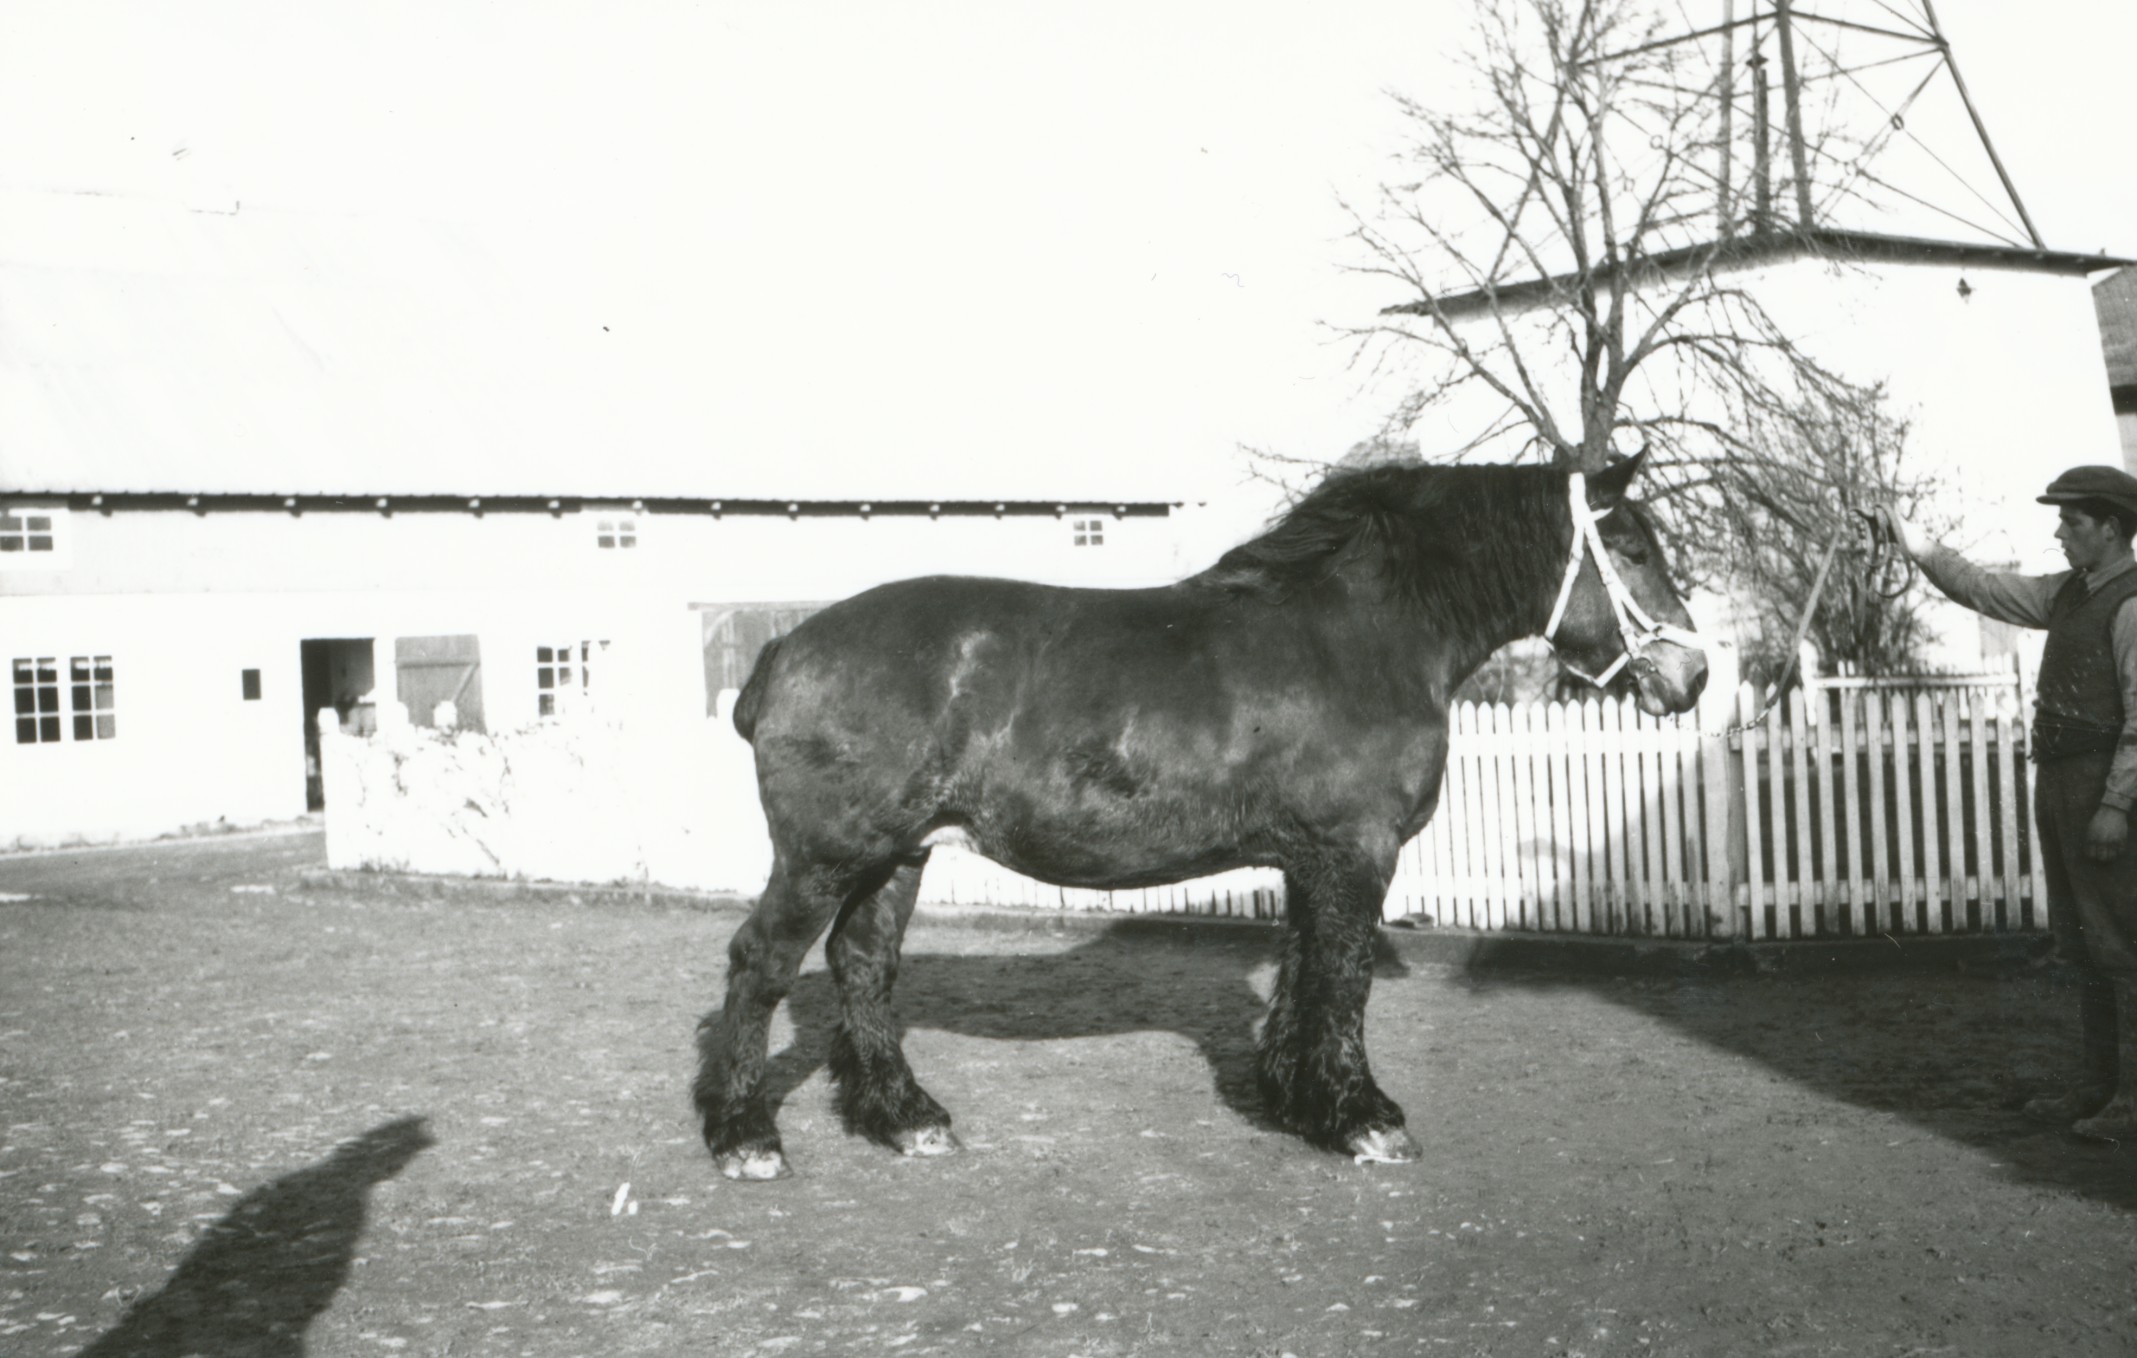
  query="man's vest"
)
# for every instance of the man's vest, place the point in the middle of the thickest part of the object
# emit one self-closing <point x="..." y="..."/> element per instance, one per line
<point x="2079" y="706"/>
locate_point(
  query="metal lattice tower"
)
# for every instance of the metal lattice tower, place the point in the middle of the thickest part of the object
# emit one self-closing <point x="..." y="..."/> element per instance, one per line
<point x="1851" y="115"/>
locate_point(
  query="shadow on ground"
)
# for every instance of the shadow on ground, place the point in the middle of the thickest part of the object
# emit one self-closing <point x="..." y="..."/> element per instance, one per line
<point x="1138" y="976"/>
<point x="260" y="1276"/>
<point x="1952" y="1053"/>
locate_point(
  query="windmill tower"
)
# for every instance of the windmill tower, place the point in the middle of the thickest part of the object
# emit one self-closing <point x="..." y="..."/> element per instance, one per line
<point x="1849" y="125"/>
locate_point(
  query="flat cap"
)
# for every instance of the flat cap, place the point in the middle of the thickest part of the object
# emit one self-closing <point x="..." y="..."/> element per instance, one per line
<point x="2112" y="484"/>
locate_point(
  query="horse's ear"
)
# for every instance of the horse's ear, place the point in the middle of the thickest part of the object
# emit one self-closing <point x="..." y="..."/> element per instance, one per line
<point x="1607" y="486"/>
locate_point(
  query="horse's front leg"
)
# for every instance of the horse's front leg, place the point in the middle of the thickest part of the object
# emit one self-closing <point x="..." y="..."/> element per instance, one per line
<point x="1312" y="1065"/>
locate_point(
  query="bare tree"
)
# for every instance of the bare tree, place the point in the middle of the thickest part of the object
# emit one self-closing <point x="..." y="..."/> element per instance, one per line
<point x="1574" y="261"/>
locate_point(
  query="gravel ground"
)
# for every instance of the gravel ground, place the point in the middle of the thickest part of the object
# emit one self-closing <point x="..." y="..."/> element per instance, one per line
<point x="243" y="1113"/>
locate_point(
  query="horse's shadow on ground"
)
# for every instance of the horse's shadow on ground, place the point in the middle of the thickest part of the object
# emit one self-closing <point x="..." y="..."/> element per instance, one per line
<point x="262" y="1274"/>
<point x="1137" y="976"/>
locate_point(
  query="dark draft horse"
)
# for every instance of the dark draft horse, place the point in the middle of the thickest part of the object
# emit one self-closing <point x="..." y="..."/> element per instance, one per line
<point x="1285" y="708"/>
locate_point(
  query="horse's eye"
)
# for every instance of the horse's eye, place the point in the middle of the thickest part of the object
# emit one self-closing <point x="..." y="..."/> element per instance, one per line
<point x="1631" y="548"/>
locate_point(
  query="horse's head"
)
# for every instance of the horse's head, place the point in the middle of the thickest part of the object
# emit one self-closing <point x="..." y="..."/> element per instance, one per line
<point x="1616" y="608"/>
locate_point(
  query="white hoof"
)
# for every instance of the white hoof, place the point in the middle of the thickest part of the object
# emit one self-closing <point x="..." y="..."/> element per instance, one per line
<point x="928" y="1141"/>
<point x="754" y="1166"/>
<point x="1384" y="1146"/>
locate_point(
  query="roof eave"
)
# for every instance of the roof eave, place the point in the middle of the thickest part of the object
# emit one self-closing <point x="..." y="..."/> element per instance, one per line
<point x="1741" y="252"/>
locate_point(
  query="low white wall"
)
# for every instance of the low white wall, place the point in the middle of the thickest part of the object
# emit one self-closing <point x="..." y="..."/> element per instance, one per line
<point x="583" y="798"/>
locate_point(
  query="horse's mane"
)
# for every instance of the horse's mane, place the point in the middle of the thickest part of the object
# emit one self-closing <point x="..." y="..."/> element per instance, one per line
<point x="1467" y="546"/>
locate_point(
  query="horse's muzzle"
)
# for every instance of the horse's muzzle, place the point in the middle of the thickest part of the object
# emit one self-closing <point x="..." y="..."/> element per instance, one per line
<point x="1669" y="677"/>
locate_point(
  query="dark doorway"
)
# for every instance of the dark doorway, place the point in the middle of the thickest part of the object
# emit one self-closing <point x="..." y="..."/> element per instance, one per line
<point x="338" y="673"/>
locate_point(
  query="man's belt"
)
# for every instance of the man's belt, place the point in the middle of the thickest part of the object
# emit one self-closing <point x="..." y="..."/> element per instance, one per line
<point x="2058" y="737"/>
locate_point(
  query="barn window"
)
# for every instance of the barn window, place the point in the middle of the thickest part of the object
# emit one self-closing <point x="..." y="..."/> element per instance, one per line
<point x="561" y="673"/>
<point x="27" y="532"/>
<point x="90" y="695"/>
<point x="89" y="678"/>
<point x="615" y="531"/>
<point x="1089" y="532"/>
<point x="249" y="684"/>
<point x="36" y="700"/>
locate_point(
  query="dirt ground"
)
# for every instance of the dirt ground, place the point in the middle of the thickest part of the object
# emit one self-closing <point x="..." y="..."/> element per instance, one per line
<point x="244" y="1115"/>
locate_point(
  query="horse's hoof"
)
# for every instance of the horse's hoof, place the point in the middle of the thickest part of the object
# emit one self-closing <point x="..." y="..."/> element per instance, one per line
<point x="2117" y="1122"/>
<point x="1384" y="1146"/>
<point x="754" y="1166"/>
<point x="926" y="1141"/>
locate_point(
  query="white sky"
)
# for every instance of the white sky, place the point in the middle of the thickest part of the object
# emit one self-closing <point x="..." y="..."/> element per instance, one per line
<point x="1098" y="234"/>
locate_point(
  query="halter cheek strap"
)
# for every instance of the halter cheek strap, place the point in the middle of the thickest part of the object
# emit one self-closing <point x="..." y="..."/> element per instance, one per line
<point x="1635" y="626"/>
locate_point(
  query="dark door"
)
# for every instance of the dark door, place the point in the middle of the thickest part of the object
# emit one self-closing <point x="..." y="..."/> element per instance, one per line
<point x="337" y="673"/>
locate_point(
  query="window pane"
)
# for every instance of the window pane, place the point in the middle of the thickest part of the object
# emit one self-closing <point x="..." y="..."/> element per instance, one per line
<point x="544" y="654"/>
<point x="48" y="728"/>
<point x="85" y="727"/>
<point x="107" y="726"/>
<point x="10" y="523"/>
<point x="40" y="544"/>
<point x="48" y="697"/>
<point x="604" y="541"/>
<point x="48" y="671"/>
<point x="25" y="730"/>
<point x="103" y="669"/>
<point x="25" y="700"/>
<point x="546" y="705"/>
<point x="10" y="544"/>
<point x="103" y="697"/>
<point x="249" y="680"/>
<point x="38" y="523"/>
<point x="81" y="698"/>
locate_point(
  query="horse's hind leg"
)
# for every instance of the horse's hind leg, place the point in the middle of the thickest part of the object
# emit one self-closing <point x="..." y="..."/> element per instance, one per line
<point x="878" y="1095"/>
<point x="762" y="960"/>
<point x="1313" y="1072"/>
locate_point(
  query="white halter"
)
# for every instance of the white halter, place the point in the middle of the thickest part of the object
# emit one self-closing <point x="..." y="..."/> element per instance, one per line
<point x="1634" y="625"/>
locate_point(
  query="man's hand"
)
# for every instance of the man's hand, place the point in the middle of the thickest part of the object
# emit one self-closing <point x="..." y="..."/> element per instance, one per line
<point x="1900" y="531"/>
<point x="2109" y="831"/>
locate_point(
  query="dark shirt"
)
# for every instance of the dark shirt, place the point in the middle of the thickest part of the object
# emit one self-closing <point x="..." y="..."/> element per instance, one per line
<point x="2023" y="601"/>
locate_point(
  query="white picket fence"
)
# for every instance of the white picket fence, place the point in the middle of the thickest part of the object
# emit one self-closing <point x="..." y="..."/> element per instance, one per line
<point x="1857" y="807"/>
<point x="1860" y="807"/>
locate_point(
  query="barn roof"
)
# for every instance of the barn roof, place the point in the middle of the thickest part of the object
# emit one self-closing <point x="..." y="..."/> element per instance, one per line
<point x="146" y="347"/>
<point x="2114" y="300"/>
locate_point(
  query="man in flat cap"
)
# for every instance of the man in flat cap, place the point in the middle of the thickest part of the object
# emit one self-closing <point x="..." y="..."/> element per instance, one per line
<point x="2085" y="749"/>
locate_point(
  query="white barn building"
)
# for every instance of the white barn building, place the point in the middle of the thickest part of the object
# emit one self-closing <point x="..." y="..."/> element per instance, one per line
<point x="253" y="465"/>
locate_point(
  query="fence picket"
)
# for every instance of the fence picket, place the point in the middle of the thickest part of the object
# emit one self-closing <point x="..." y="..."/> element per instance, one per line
<point x="1873" y="820"/>
<point x="1754" y="823"/>
<point x="1903" y="805"/>
<point x="1521" y="737"/>
<point x="1849" y="814"/>
<point x="2007" y="817"/>
<point x="1466" y="825"/>
<point x="1827" y="863"/>
<point x="1978" y="704"/>
<point x="1953" y="758"/>
<point x="1580" y="903"/>
<point x="1925" y="722"/>
<point x="1560" y="915"/>
<point x="1602" y="883"/>
<point x="1667" y="787"/>
<point x="1799" y="766"/>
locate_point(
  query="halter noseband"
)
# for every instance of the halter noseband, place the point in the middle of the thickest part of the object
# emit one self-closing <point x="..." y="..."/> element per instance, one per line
<point x="1635" y="626"/>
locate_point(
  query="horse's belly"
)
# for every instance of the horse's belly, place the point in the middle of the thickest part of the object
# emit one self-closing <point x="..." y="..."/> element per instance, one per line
<point x="1097" y="859"/>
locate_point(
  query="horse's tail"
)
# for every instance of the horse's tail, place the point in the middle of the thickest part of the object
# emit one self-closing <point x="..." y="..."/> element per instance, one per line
<point x="750" y="703"/>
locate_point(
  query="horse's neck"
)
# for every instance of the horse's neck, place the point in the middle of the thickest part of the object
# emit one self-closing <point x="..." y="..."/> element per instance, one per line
<point x="1413" y="639"/>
